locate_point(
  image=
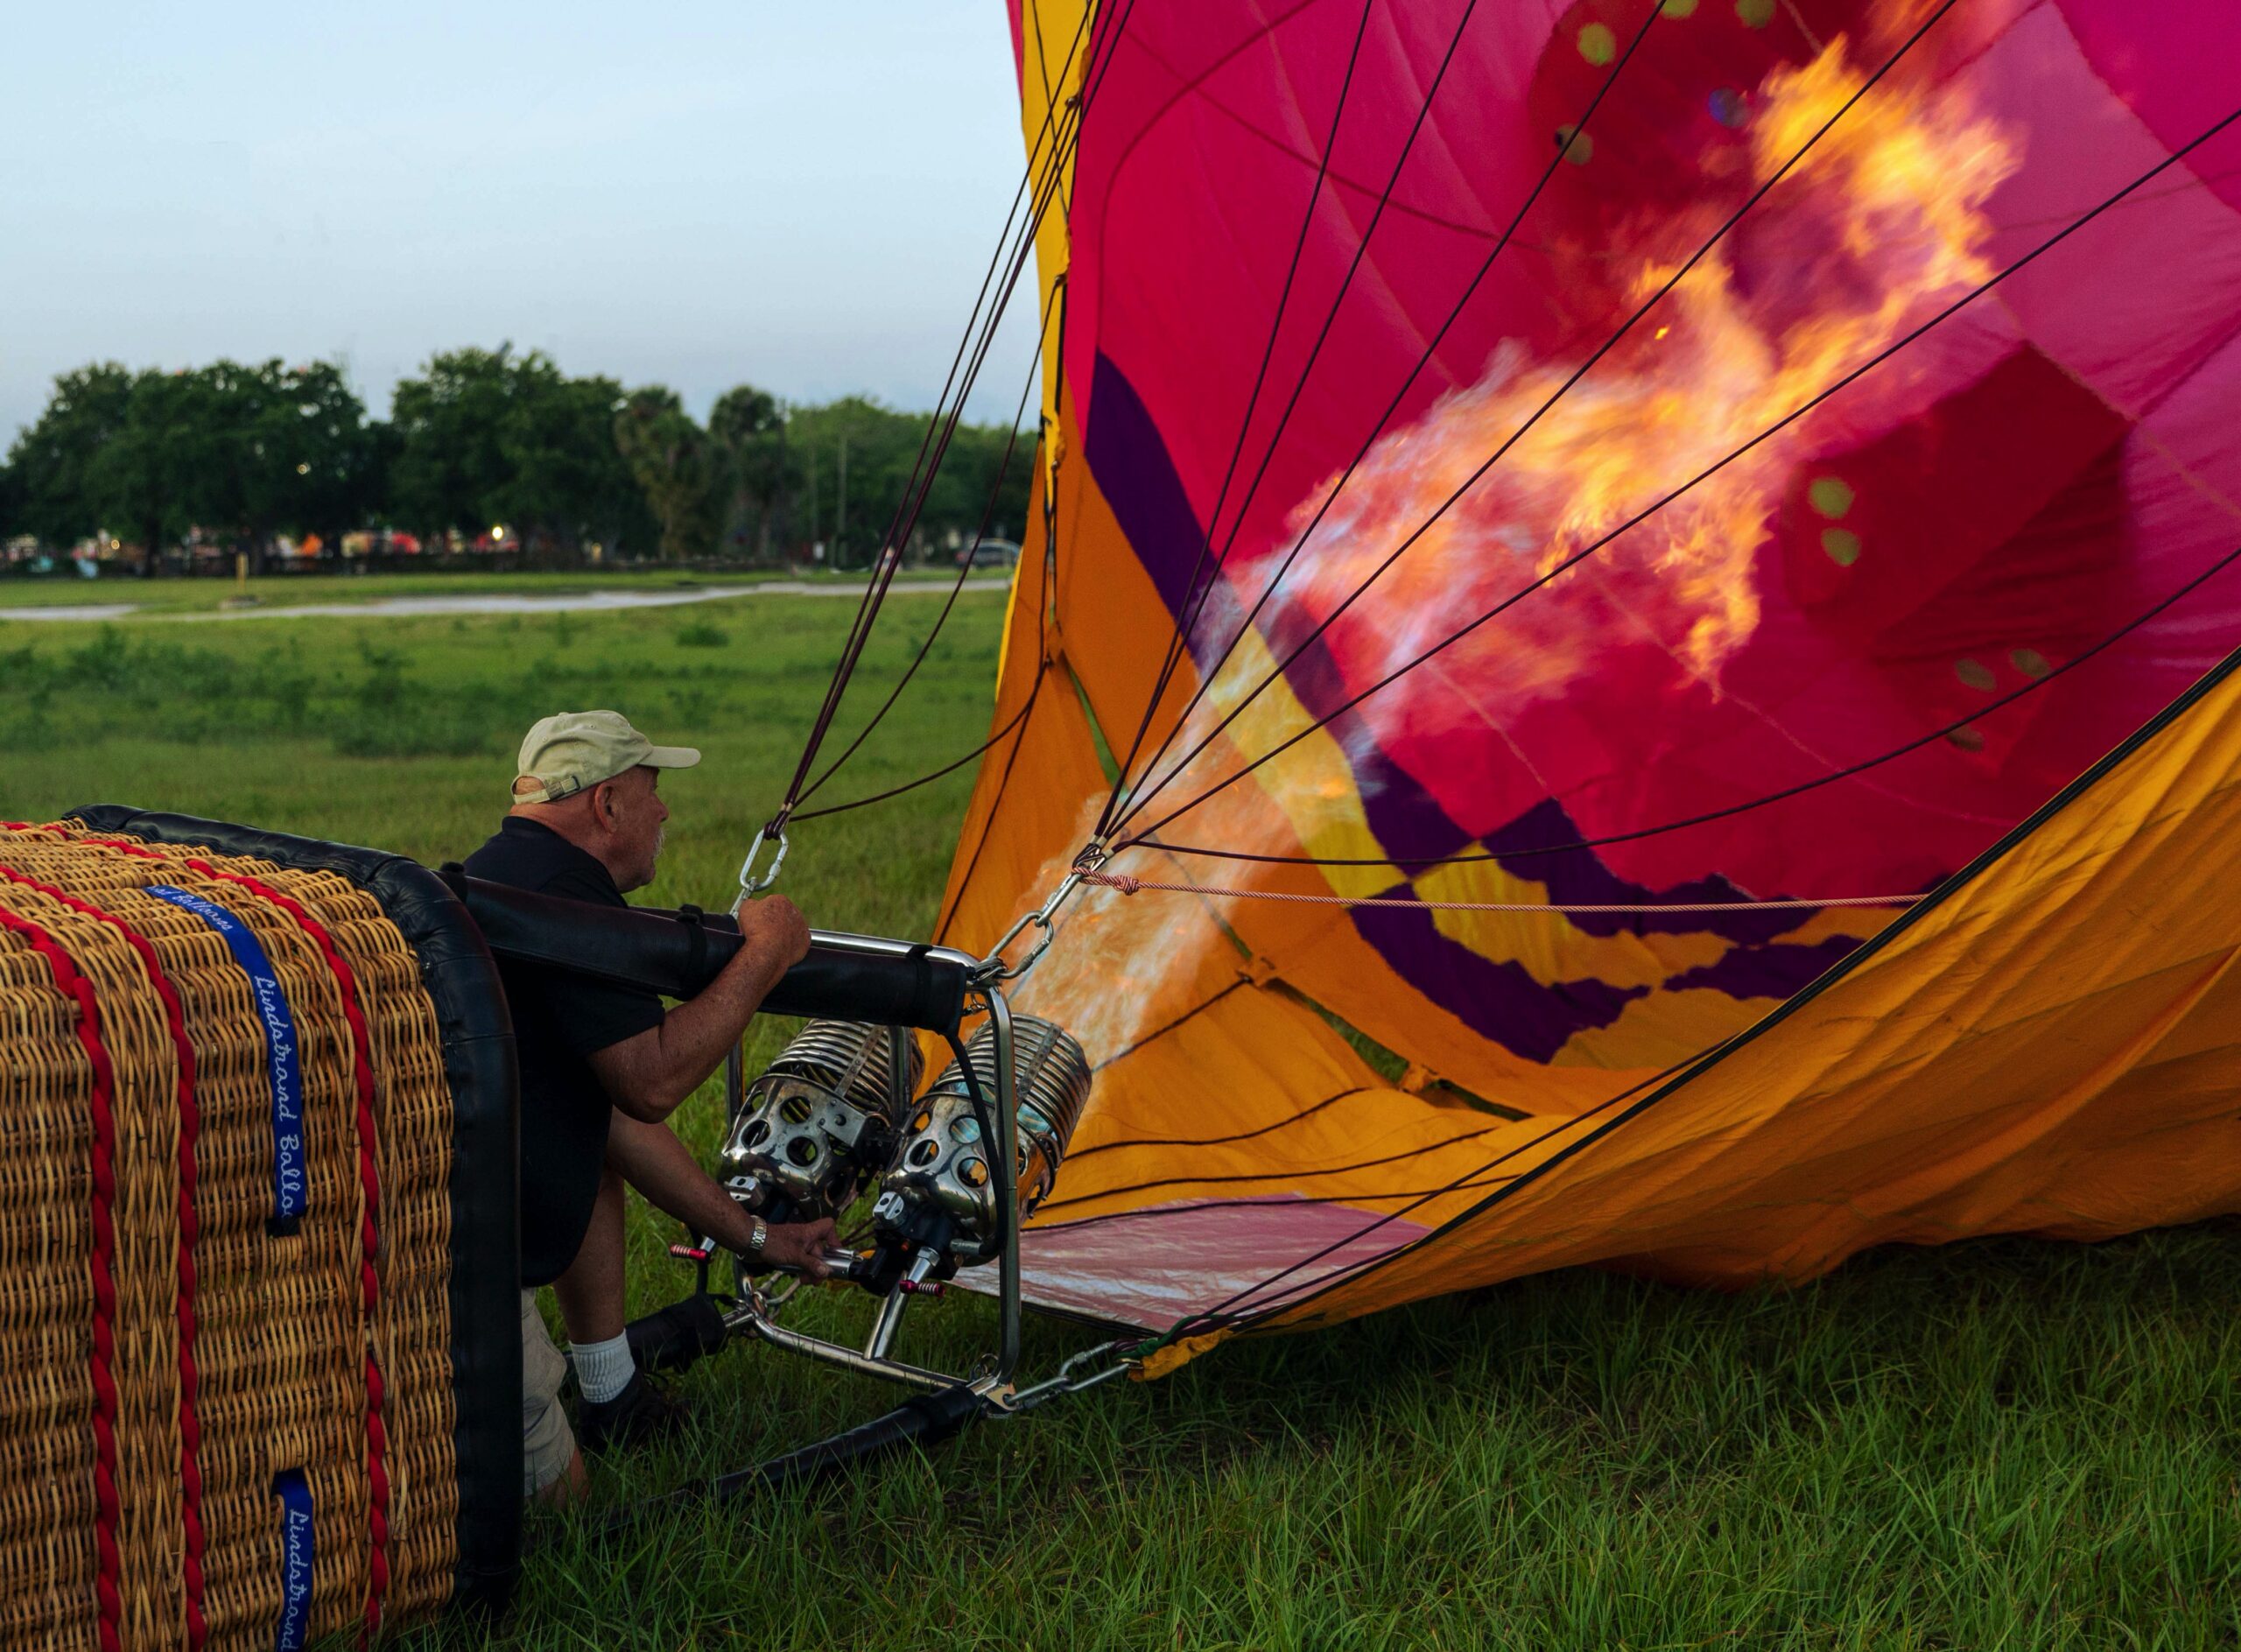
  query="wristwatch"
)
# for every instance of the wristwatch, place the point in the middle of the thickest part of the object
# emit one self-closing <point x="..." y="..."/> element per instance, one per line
<point x="755" y="1239"/>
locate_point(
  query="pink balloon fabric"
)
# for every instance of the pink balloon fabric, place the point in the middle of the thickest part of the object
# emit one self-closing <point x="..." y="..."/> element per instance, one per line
<point x="2000" y="495"/>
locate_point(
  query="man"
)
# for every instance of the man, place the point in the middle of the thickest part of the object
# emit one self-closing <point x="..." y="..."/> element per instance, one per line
<point x="602" y="1067"/>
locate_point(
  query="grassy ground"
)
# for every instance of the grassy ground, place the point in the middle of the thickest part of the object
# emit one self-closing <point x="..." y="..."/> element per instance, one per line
<point x="170" y="595"/>
<point x="1999" y="1445"/>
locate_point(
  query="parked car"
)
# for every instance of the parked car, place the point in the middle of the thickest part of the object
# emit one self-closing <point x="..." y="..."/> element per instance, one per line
<point x="990" y="553"/>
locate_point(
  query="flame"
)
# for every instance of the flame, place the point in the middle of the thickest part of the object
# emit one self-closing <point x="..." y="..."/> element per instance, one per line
<point x="1879" y="226"/>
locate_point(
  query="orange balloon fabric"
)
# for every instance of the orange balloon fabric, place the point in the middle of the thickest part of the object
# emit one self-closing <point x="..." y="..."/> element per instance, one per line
<point x="1641" y="456"/>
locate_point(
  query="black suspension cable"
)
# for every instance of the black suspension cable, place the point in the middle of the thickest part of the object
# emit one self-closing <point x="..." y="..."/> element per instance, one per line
<point x="933" y="447"/>
<point x="1094" y="69"/>
<point x="1423" y="359"/>
<point x="964" y="569"/>
<point x="1674" y="1079"/>
<point x="1053" y="127"/>
<point x="988" y="744"/>
<point x="1245" y="422"/>
<point x="1847" y="772"/>
<point x="1018" y="718"/>
<point x="1705" y="250"/>
<point x="1054" y="191"/>
<point x="1791" y="417"/>
<point x="884" y="574"/>
<point x="973" y="320"/>
<point x="1042" y="621"/>
<point x="850" y="661"/>
<point x="1219" y="1313"/>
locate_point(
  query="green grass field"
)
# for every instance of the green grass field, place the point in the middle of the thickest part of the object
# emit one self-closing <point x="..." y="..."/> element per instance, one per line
<point x="165" y="597"/>
<point x="1999" y="1444"/>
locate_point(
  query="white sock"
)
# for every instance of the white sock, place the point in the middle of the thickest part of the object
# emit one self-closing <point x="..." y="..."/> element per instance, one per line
<point x="603" y="1369"/>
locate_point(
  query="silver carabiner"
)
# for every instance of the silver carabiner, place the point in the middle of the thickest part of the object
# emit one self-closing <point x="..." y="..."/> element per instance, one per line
<point x="750" y="884"/>
<point x="993" y="968"/>
<point x="1022" y="1401"/>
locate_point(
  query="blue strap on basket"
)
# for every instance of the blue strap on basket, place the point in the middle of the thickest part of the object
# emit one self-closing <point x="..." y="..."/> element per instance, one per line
<point x="295" y="1494"/>
<point x="290" y="1184"/>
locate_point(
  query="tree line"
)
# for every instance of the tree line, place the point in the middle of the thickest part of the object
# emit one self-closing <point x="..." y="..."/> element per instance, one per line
<point x="237" y="456"/>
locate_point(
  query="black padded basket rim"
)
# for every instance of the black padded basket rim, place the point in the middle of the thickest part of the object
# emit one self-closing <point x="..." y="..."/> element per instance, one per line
<point x="479" y="1066"/>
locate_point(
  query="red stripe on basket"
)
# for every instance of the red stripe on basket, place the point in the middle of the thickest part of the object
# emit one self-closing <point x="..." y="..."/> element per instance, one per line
<point x="190" y="1128"/>
<point x="73" y="986"/>
<point x="370" y="1184"/>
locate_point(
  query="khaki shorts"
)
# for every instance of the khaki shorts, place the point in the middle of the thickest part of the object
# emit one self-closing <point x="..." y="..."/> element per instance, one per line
<point x="548" y="1443"/>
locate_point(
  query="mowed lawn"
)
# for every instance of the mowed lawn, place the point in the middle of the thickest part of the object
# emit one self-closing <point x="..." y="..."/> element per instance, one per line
<point x="1996" y="1444"/>
<point x="171" y="597"/>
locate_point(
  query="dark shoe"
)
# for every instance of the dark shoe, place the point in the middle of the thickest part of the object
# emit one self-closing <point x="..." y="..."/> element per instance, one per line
<point x="679" y="1334"/>
<point x="642" y="1412"/>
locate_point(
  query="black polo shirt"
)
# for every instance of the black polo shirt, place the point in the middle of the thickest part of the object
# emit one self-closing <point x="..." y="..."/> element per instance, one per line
<point x="560" y="1020"/>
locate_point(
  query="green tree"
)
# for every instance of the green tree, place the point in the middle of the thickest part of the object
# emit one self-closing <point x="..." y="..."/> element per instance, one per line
<point x="677" y="467"/>
<point x="760" y="468"/>
<point x="246" y="452"/>
<point x="52" y="459"/>
<point x="486" y="437"/>
<point x="312" y="463"/>
<point x="569" y="481"/>
<point x="970" y="473"/>
<point x="11" y="503"/>
<point x="451" y="468"/>
<point x="862" y="452"/>
<point x="882" y="449"/>
<point x="159" y="463"/>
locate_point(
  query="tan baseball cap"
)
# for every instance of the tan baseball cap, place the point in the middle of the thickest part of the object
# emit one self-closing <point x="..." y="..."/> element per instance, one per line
<point x="579" y="749"/>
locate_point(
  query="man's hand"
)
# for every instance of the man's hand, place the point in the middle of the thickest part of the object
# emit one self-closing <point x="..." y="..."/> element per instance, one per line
<point x="775" y="929"/>
<point x="799" y="1248"/>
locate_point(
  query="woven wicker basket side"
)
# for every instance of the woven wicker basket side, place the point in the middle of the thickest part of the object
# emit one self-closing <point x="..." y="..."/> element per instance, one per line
<point x="412" y="1114"/>
<point x="326" y="1349"/>
<point x="47" y="1558"/>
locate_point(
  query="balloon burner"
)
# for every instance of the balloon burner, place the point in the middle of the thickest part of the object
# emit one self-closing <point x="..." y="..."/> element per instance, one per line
<point x="957" y="1170"/>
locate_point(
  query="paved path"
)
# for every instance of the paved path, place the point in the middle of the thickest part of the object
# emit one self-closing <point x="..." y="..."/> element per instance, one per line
<point x="491" y="602"/>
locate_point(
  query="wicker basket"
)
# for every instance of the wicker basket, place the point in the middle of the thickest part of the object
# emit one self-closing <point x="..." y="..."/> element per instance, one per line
<point x="259" y="1366"/>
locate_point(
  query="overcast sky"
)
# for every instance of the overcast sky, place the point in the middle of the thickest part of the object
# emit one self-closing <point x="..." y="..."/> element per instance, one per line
<point x="696" y="192"/>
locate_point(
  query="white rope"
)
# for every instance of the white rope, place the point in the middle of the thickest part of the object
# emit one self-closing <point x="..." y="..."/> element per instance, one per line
<point x="1128" y="885"/>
